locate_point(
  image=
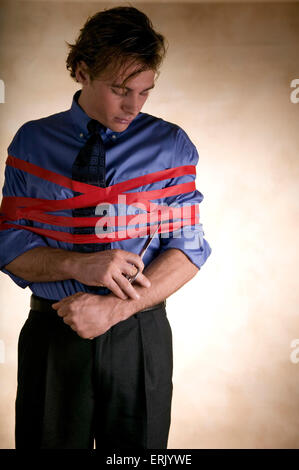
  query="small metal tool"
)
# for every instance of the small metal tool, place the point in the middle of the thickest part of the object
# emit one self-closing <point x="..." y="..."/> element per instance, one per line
<point x="144" y="249"/>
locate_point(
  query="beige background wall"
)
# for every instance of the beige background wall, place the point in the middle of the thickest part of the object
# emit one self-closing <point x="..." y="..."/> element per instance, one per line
<point x="226" y="81"/>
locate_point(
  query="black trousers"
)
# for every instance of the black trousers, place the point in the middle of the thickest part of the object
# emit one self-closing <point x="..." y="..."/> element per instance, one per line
<point x="115" y="389"/>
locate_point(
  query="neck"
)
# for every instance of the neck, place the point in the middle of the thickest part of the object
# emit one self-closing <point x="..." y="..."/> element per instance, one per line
<point x="84" y="104"/>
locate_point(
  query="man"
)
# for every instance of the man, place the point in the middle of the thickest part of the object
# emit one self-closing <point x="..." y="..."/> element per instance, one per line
<point x="95" y="354"/>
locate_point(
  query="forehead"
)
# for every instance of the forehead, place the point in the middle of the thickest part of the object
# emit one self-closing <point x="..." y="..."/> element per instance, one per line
<point x="130" y="77"/>
<point x="142" y="80"/>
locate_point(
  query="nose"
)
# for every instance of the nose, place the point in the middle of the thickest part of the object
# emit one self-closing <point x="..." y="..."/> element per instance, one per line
<point x="130" y="104"/>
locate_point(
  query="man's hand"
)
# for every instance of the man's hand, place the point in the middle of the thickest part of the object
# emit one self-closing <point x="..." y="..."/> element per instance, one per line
<point x="92" y="315"/>
<point x="109" y="269"/>
<point x="88" y="314"/>
<point x="105" y="268"/>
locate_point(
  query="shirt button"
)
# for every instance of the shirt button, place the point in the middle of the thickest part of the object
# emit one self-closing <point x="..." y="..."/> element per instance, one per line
<point x="113" y="136"/>
<point x="81" y="135"/>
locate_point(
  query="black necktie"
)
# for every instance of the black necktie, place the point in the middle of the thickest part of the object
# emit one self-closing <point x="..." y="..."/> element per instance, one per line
<point x="89" y="167"/>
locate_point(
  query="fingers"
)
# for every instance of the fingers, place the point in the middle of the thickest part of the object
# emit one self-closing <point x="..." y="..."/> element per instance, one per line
<point x="132" y="258"/>
<point x="122" y="288"/>
<point x="130" y="271"/>
<point x="116" y="289"/>
<point x="61" y="310"/>
<point x="126" y="286"/>
<point x="68" y="321"/>
<point x="119" y="281"/>
<point x="60" y="306"/>
<point x="143" y="280"/>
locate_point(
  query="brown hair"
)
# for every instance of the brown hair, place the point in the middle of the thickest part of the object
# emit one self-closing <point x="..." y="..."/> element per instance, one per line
<point x="115" y="37"/>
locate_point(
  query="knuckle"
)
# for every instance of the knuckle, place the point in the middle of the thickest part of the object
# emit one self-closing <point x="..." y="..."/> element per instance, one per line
<point x="117" y="253"/>
<point x="112" y="267"/>
<point x="140" y="265"/>
<point x="114" y="264"/>
<point x="134" y="271"/>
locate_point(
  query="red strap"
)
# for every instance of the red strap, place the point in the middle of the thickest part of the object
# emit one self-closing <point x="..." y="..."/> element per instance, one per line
<point x="84" y="187"/>
<point x="101" y="238"/>
<point x="34" y="209"/>
<point x="92" y="199"/>
<point x="163" y="213"/>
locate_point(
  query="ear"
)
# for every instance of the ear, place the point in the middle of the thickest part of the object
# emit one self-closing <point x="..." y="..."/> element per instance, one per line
<point x="82" y="75"/>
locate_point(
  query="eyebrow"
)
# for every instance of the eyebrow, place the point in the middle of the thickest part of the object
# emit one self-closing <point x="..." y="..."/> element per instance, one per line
<point x="114" y="85"/>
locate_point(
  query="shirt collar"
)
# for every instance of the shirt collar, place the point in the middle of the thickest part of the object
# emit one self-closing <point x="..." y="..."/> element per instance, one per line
<point x="81" y="119"/>
<point x="79" y="116"/>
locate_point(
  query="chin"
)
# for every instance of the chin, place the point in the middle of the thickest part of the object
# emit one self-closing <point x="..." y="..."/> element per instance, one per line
<point x="118" y="127"/>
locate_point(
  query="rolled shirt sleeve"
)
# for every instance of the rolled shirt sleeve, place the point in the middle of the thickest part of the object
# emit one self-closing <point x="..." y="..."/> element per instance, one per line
<point x="14" y="242"/>
<point x="190" y="238"/>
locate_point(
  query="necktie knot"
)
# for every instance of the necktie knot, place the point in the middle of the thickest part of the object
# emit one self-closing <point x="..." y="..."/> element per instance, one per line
<point x="94" y="126"/>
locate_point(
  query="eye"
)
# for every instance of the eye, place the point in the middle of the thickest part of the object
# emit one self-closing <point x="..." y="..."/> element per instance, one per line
<point x="119" y="91"/>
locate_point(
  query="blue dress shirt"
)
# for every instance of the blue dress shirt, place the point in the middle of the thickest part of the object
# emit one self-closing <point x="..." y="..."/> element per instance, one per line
<point x="149" y="144"/>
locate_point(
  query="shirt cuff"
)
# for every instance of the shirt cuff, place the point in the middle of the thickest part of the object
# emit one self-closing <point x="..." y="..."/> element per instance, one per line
<point x="14" y="243"/>
<point x="190" y="241"/>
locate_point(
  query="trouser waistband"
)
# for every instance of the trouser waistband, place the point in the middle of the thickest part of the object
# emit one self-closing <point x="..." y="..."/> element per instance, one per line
<point x="45" y="305"/>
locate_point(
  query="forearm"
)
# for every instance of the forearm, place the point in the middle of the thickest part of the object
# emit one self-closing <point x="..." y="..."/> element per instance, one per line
<point x="43" y="264"/>
<point x="167" y="273"/>
<point x="92" y="315"/>
<point x="106" y="268"/>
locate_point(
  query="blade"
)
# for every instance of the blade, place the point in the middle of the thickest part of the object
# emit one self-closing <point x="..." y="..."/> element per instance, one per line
<point x="149" y="241"/>
<point x="144" y="249"/>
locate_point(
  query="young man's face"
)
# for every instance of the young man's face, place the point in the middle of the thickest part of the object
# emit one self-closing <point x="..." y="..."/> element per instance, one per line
<point x="107" y="102"/>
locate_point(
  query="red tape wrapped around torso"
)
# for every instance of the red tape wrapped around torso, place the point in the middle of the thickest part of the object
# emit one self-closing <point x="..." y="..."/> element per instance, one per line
<point x="35" y="210"/>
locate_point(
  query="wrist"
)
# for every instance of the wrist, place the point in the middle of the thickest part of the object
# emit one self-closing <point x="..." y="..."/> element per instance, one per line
<point x="70" y="264"/>
<point x="120" y="309"/>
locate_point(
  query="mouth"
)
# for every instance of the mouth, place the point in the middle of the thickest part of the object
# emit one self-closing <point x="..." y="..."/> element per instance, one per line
<point x="123" y="121"/>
